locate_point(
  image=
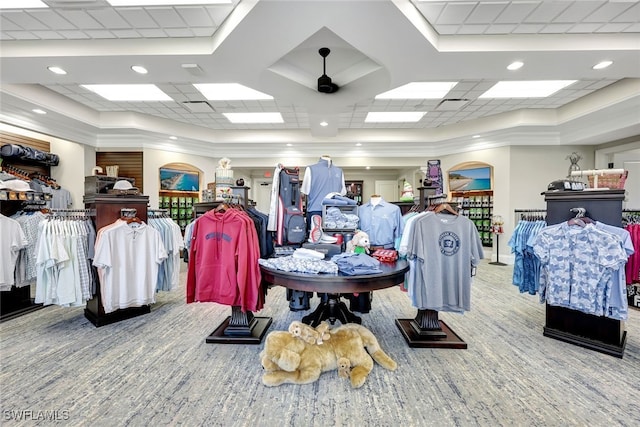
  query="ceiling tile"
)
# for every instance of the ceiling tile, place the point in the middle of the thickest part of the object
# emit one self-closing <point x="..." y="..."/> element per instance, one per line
<point x="24" y="20"/>
<point x="577" y="10"/>
<point x="138" y="18"/>
<point x="100" y="34"/>
<point x="528" y="29"/>
<point x="51" y="19"/>
<point x="75" y="35"/>
<point x="152" y="33"/>
<point x="48" y="35"/>
<point x="22" y="35"/>
<point x="195" y="16"/>
<point x="612" y="28"/>
<point x="485" y="13"/>
<point x="81" y="19"/>
<point x="108" y="18"/>
<point x="167" y="17"/>
<point x="126" y="34"/>
<point x="455" y="13"/>
<point x="515" y="12"/>
<point x="546" y="12"/>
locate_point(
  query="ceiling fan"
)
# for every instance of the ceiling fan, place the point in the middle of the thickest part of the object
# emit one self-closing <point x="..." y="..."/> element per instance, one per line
<point x="325" y="85"/>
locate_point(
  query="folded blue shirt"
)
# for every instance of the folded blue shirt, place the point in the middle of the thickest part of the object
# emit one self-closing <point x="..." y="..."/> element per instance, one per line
<point x="353" y="264"/>
<point x="337" y="199"/>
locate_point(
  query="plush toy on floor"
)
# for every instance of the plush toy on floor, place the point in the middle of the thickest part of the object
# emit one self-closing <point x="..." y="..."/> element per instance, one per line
<point x="351" y="349"/>
<point x="359" y="244"/>
<point x="309" y="334"/>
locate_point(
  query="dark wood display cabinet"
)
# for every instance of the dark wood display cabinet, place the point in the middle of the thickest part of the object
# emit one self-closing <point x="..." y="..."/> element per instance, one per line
<point x="597" y="333"/>
<point x="107" y="208"/>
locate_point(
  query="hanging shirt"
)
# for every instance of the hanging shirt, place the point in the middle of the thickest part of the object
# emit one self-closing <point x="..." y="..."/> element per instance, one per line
<point x="443" y="249"/>
<point x="129" y="256"/>
<point x="578" y="262"/>
<point x="13" y="239"/>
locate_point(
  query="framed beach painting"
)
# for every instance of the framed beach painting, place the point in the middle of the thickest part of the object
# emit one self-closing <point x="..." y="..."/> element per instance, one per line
<point x="473" y="178"/>
<point x="179" y="180"/>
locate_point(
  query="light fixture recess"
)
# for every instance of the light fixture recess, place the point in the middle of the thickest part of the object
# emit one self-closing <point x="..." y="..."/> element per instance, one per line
<point x="139" y="69"/>
<point x="602" y="65"/>
<point x="516" y="65"/>
<point x="56" y="70"/>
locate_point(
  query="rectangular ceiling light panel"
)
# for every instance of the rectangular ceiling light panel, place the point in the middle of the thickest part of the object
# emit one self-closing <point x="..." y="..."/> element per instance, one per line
<point x="254" y="117"/>
<point x="419" y="90"/>
<point x="394" y="117"/>
<point x="132" y="92"/>
<point x="21" y="4"/>
<point x="526" y="89"/>
<point x="230" y="92"/>
<point x="165" y="2"/>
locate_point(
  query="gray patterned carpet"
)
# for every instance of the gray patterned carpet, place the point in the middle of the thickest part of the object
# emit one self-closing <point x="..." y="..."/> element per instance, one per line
<point x="157" y="370"/>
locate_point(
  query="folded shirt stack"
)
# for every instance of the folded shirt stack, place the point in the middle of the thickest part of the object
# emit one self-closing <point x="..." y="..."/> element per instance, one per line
<point x="353" y="264"/>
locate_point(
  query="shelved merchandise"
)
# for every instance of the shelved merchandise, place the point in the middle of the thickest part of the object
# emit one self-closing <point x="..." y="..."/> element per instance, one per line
<point x="478" y="207"/>
<point x="354" y="190"/>
<point x="179" y="205"/>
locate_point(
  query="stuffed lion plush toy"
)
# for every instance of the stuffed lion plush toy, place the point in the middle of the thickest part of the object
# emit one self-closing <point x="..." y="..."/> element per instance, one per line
<point x="351" y="349"/>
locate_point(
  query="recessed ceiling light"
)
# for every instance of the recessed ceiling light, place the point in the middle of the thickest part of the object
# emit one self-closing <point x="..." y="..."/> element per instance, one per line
<point x="368" y="167"/>
<point x="601" y="65"/>
<point x="289" y="145"/>
<point x="164" y="2"/>
<point x="56" y="70"/>
<point x="229" y="92"/>
<point x="21" y="4"/>
<point x="419" y="90"/>
<point x="145" y="92"/>
<point x="526" y="89"/>
<point x="324" y="124"/>
<point x="475" y="136"/>
<point x="139" y="69"/>
<point x="515" y="66"/>
<point x="173" y="137"/>
<point x="395" y="116"/>
<point x="39" y="111"/>
<point x="359" y="144"/>
<point x="254" y="117"/>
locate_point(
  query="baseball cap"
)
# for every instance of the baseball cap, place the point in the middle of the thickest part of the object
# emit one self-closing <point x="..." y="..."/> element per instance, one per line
<point x="16" y="185"/>
<point x="122" y="184"/>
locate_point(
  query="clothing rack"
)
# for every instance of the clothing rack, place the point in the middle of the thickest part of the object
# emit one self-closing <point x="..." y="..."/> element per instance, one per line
<point x="533" y="217"/>
<point x="71" y="213"/>
<point x="158" y="213"/>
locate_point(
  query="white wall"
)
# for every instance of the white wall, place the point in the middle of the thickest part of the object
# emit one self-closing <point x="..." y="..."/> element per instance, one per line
<point x="70" y="172"/>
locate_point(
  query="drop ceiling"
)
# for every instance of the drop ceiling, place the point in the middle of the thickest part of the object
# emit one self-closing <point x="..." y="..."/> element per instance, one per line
<point x="272" y="46"/>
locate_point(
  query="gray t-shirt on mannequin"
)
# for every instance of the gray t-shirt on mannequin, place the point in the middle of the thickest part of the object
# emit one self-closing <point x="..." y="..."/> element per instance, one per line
<point x="442" y="250"/>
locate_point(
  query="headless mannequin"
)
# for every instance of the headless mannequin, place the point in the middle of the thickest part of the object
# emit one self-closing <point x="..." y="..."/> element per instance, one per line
<point x="375" y="199"/>
<point x="319" y="180"/>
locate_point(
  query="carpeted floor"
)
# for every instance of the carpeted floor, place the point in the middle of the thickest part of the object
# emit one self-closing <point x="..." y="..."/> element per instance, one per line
<point x="157" y="370"/>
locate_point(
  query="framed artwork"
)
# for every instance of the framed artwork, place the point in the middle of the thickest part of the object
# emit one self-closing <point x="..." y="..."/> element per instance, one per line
<point x="470" y="179"/>
<point x="179" y="180"/>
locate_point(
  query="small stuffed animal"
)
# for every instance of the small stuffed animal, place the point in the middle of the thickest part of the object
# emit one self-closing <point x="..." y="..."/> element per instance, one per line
<point x="359" y="244"/>
<point x="308" y="334"/>
<point x="344" y="367"/>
